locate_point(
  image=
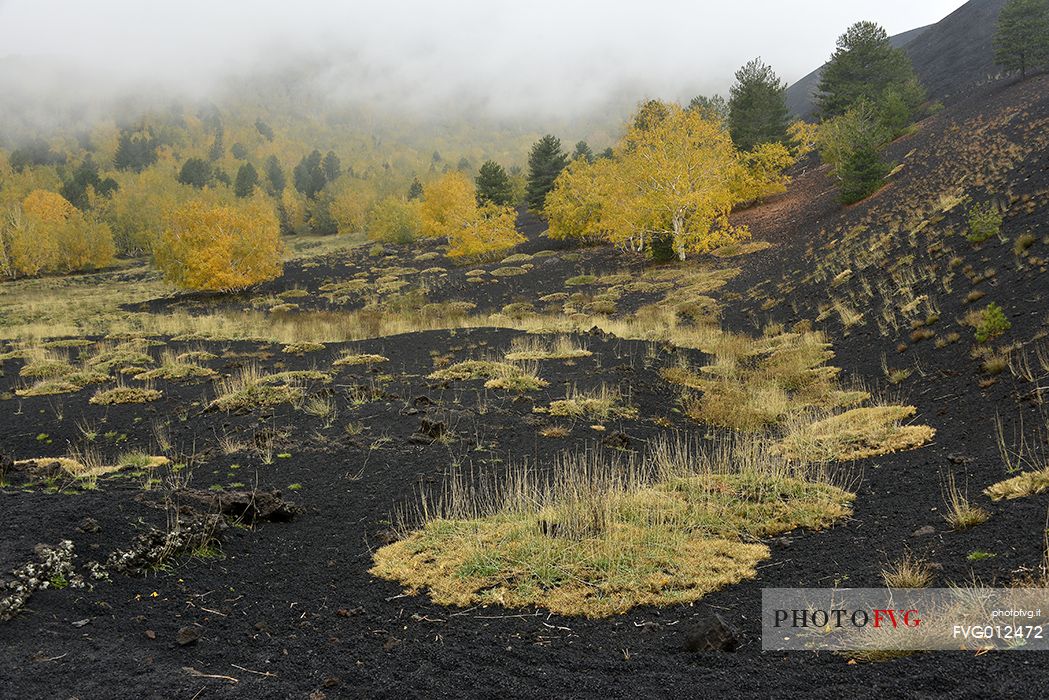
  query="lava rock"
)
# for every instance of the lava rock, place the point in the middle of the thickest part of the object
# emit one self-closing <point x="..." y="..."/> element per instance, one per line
<point x="89" y="525"/>
<point x="7" y="464"/>
<point x="430" y="431"/>
<point x="924" y="531"/>
<point x="187" y="635"/>
<point x="712" y="634"/>
<point x="247" y="506"/>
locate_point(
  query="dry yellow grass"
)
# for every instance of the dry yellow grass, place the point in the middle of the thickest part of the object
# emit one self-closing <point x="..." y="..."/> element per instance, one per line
<point x="908" y="572"/>
<point x="124" y="395"/>
<point x="600" y="536"/>
<point x="534" y="348"/>
<point x="961" y="513"/>
<point x="175" y="367"/>
<point x="602" y="404"/>
<point x="359" y="359"/>
<point x="250" y="389"/>
<point x="1027" y="484"/>
<point x="85" y="468"/>
<point x="856" y="434"/>
<point x="499" y="375"/>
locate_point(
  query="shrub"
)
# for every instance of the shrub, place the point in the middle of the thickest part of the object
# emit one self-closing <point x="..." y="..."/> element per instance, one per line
<point x="490" y="233"/>
<point x="991" y="323"/>
<point x="220" y="248"/>
<point x="394" y="220"/>
<point x="48" y="234"/>
<point x="984" y="221"/>
<point x="449" y="204"/>
<point x="862" y="174"/>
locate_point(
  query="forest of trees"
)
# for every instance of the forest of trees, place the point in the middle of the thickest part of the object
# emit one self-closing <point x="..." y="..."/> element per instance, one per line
<point x="155" y="185"/>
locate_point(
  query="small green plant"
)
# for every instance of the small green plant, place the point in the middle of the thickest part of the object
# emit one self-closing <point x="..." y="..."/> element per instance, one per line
<point x="991" y="323"/>
<point x="985" y="221"/>
<point x="980" y="555"/>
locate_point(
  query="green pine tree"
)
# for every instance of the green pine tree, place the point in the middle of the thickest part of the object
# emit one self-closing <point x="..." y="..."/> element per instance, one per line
<point x="195" y="172"/>
<point x="545" y="163"/>
<point x="275" y="175"/>
<point x="332" y="166"/>
<point x="862" y="173"/>
<point x="865" y="65"/>
<point x="713" y="108"/>
<point x="757" y="111"/>
<point x="247" y="178"/>
<point x="1022" y="40"/>
<point x="493" y="185"/>
<point x="582" y="150"/>
<point x="218" y="148"/>
<point x="415" y="190"/>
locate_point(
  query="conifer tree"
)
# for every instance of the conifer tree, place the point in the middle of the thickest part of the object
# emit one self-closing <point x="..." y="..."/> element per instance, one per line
<point x="493" y="185"/>
<point x="757" y="111"/>
<point x="545" y="163"/>
<point x="1022" y="40"/>
<point x="247" y="178"/>
<point x="864" y="65"/>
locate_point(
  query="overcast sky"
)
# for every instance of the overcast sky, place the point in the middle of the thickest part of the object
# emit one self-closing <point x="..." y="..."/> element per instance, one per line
<point x="523" y="54"/>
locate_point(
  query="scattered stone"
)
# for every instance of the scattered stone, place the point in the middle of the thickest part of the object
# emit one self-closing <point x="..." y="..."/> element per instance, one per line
<point x="350" y="612"/>
<point x="54" y="567"/>
<point x="247" y="506"/>
<point x="150" y="634"/>
<point x="712" y="634"/>
<point x="149" y="549"/>
<point x="959" y="458"/>
<point x="430" y="431"/>
<point x="82" y="623"/>
<point x="924" y="531"/>
<point x="89" y="525"/>
<point x="390" y="644"/>
<point x="187" y="635"/>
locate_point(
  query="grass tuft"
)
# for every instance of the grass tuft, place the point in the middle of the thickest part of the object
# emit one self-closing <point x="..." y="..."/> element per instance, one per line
<point x="124" y="395"/>
<point x="856" y="434"/>
<point x="597" y="536"/>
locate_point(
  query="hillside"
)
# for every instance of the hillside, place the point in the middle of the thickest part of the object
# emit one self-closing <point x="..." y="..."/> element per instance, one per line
<point x="227" y="529"/>
<point x="950" y="56"/>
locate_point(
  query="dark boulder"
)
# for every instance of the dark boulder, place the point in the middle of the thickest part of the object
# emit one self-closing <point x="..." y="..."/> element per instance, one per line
<point x="712" y="633"/>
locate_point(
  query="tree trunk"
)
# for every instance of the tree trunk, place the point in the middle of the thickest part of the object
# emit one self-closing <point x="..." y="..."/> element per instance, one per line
<point x="679" y="226"/>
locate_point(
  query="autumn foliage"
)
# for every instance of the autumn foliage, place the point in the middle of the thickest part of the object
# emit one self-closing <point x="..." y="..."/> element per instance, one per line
<point x="673" y="177"/>
<point x="450" y="210"/>
<point x="48" y="234"/>
<point x="491" y="231"/>
<point x="220" y="247"/>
